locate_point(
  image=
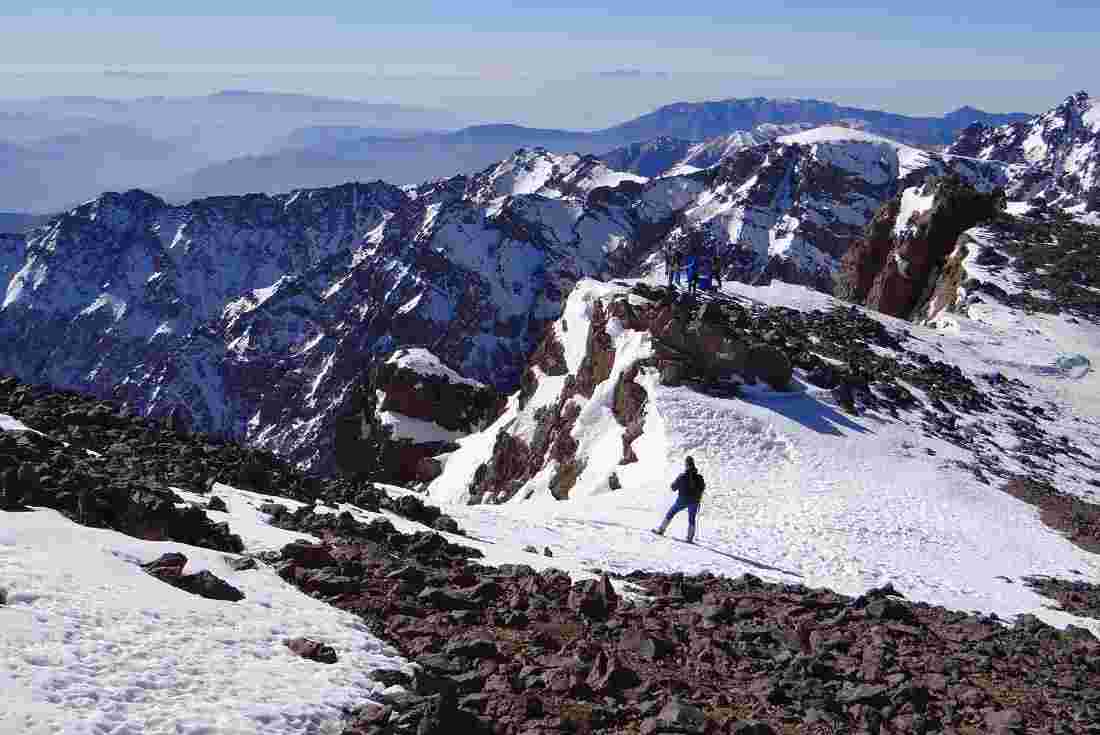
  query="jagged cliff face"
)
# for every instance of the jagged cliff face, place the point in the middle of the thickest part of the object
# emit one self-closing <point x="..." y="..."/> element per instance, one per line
<point x="901" y="264"/>
<point x="1054" y="157"/>
<point x="896" y="264"/>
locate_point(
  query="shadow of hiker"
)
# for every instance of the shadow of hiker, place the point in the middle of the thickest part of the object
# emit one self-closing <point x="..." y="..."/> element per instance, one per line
<point x="800" y="406"/>
<point x="744" y="560"/>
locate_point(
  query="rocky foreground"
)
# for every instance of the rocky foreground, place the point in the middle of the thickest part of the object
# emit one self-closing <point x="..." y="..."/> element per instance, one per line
<point x="513" y="650"/>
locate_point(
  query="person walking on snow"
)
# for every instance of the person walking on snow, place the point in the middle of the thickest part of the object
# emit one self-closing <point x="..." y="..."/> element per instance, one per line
<point x="692" y="273"/>
<point x="689" y="488"/>
<point x="716" y="271"/>
<point x="674" y="279"/>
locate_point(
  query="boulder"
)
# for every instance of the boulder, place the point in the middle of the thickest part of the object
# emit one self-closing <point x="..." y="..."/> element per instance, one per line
<point x="217" y="504"/>
<point x="594" y="598"/>
<point x="168" y="568"/>
<point x="769" y="363"/>
<point x="313" y="650"/>
<point x="306" y="554"/>
<point x="677" y="717"/>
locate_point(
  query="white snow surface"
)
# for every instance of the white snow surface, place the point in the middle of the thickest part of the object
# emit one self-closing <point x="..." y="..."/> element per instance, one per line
<point x="797" y="490"/>
<point x="419" y="431"/>
<point x="836" y="134"/>
<point x="90" y="643"/>
<point x="423" y="362"/>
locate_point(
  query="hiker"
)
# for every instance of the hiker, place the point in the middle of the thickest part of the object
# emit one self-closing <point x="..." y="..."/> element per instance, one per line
<point x="668" y="267"/>
<point x="692" y="273"/>
<point x="716" y="271"/>
<point x="674" y="278"/>
<point x="689" y="488"/>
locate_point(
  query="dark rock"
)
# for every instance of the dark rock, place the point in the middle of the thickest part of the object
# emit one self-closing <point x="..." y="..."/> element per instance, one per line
<point x="242" y="563"/>
<point x="679" y="717"/>
<point x="751" y="727"/>
<point x="217" y="504"/>
<point x="1004" y="722"/>
<point x="312" y="650"/>
<point x="445" y="599"/>
<point x="306" y="554"/>
<point x="594" y="598"/>
<point x="475" y="649"/>
<point x="169" y="568"/>
<point x="391" y="677"/>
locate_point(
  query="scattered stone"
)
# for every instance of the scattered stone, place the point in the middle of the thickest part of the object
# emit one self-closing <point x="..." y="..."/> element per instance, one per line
<point x="217" y="504"/>
<point x="313" y="650"/>
<point x="169" y="568"/>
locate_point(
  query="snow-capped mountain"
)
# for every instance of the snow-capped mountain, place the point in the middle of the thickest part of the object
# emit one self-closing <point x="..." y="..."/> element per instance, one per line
<point x="704" y="120"/>
<point x="1054" y="157"/>
<point x="255" y="315"/>
<point x="672" y="156"/>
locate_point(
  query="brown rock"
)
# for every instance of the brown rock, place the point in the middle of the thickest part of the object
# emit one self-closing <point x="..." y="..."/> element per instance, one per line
<point x="313" y="650"/>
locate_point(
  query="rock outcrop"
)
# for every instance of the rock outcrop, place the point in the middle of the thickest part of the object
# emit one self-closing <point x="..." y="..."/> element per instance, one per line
<point x="409" y="408"/>
<point x="903" y="251"/>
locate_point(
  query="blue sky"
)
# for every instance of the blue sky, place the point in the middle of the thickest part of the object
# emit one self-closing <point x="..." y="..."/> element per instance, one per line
<point x="545" y="63"/>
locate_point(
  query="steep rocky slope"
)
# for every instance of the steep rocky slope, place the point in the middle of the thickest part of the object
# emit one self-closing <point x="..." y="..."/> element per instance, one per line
<point x="1054" y="157"/>
<point x="1050" y="173"/>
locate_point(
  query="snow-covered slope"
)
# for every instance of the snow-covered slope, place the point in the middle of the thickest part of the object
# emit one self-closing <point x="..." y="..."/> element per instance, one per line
<point x="1054" y="157"/>
<point x="798" y="488"/>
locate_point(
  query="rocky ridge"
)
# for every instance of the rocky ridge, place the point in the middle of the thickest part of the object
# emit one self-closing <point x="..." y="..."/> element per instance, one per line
<point x="1054" y="157"/>
<point x="103" y="467"/>
<point x="409" y="408"/>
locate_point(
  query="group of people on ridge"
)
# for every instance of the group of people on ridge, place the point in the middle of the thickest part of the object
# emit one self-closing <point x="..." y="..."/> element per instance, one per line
<point x="699" y="271"/>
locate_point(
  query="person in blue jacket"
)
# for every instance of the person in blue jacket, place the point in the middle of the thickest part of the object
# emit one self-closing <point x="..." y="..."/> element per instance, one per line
<point x="689" y="488"/>
<point x="693" y="273"/>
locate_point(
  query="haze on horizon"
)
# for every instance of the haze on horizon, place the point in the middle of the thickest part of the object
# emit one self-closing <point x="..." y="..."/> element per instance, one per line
<point x="560" y="64"/>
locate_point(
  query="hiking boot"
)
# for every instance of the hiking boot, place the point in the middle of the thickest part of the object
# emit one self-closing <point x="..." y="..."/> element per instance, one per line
<point x="658" y="531"/>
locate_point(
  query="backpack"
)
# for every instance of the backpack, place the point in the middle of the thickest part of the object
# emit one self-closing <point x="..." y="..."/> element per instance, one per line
<point x="698" y="485"/>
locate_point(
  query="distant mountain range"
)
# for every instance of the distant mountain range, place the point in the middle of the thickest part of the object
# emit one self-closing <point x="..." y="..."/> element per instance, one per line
<point x="406" y="160"/>
<point x="19" y="222"/>
<point x="59" y="151"/>
<point x="56" y="152"/>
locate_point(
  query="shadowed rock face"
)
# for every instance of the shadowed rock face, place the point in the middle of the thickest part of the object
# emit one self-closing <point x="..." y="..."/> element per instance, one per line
<point x="894" y="266"/>
<point x="408" y="408"/>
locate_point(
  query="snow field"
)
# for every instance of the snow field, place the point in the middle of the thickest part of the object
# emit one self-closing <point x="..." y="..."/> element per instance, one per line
<point x="92" y="644"/>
